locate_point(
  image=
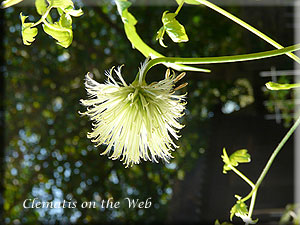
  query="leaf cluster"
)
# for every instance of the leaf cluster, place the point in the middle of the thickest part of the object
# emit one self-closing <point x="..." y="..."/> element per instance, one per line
<point x="240" y="156"/>
<point x="61" y="30"/>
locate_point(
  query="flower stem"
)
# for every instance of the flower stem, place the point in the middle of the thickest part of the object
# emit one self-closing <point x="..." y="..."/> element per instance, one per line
<point x="221" y="59"/>
<point x="247" y="26"/>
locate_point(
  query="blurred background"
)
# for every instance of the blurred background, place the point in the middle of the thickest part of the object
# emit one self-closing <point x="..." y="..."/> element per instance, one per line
<point x="47" y="155"/>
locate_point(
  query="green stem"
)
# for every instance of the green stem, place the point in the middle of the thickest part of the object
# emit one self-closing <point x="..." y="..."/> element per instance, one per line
<point x="147" y="51"/>
<point x="220" y="59"/>
<point x="252" y="194"/>
<point x="43" y="18"/>
<point x="249" y="195"/>
<point x="253" y="198"/>
<point x="276" y="151"/>
<point x="179" y="7"/>
<point x="247" y="26"/>
<point x="242" y="176"/>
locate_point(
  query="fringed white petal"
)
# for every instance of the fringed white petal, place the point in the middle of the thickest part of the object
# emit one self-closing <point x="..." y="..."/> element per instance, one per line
<point x="136" y="121"/>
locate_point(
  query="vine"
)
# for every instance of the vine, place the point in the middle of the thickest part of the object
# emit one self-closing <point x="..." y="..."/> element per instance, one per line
<point x="129" y="117"/>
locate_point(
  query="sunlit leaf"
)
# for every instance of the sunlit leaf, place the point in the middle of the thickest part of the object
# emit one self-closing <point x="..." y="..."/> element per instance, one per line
<point x="286" y="216"/>
<point x="64" y="36"/>
<point x="160" y="36"/>
<point x="73" y="12"/>
<point x="240" y="156"/>
<point x="240" y="209"/>
<point x="136" y="41"/>
<point x="41" y="6"/>
<point x="65" y="21"/>
<point x="8" y="3"/>
<point x="225" y="157"/>
<point x="275" y="86"/>
<point x="28" y="33"/>
<point x="291" y="215"/>
<point x="61" y="3"/>
<point x="173" y="28"/>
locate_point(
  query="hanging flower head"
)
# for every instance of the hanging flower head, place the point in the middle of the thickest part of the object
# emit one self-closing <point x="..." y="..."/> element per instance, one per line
<point x="135" y="121"/>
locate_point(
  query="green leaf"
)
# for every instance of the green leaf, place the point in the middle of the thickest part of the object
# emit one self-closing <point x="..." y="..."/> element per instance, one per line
<point x="275" y="86"/>
<point x="28" y="33"/>
<point x="61" y="3"/>
<point x="65" y="21"/>
<point x="240" y="156"/>
<point x="191" y="2"/>
<point x="60" y="11"/>
<point x="160" y="36"/>
<point x="73" y="12"/>
<point x="173" y="28"/>
<point x="240" y="209"/>
<point x="63" y="35"/>
<point x="136" y="41"/>
<point x="226" y="161"/>
<point x="8" y="3"/>
<point x="41" y="6"/>
<point x="286" y="216"/>
<point x="291" y="215"/>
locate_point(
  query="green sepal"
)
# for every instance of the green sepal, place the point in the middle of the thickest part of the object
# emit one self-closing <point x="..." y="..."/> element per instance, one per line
<point x="63" y="35"/>
<point x="28" y="33"/>
<point x="275" y="86"/>
<point x="8" y="3"/>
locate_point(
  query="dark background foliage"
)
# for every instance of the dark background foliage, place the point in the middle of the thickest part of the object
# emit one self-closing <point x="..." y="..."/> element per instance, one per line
<point x="48" y="156"/>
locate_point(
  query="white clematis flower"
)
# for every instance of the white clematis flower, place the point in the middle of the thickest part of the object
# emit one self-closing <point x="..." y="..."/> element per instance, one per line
<point x="135" y="121"/>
